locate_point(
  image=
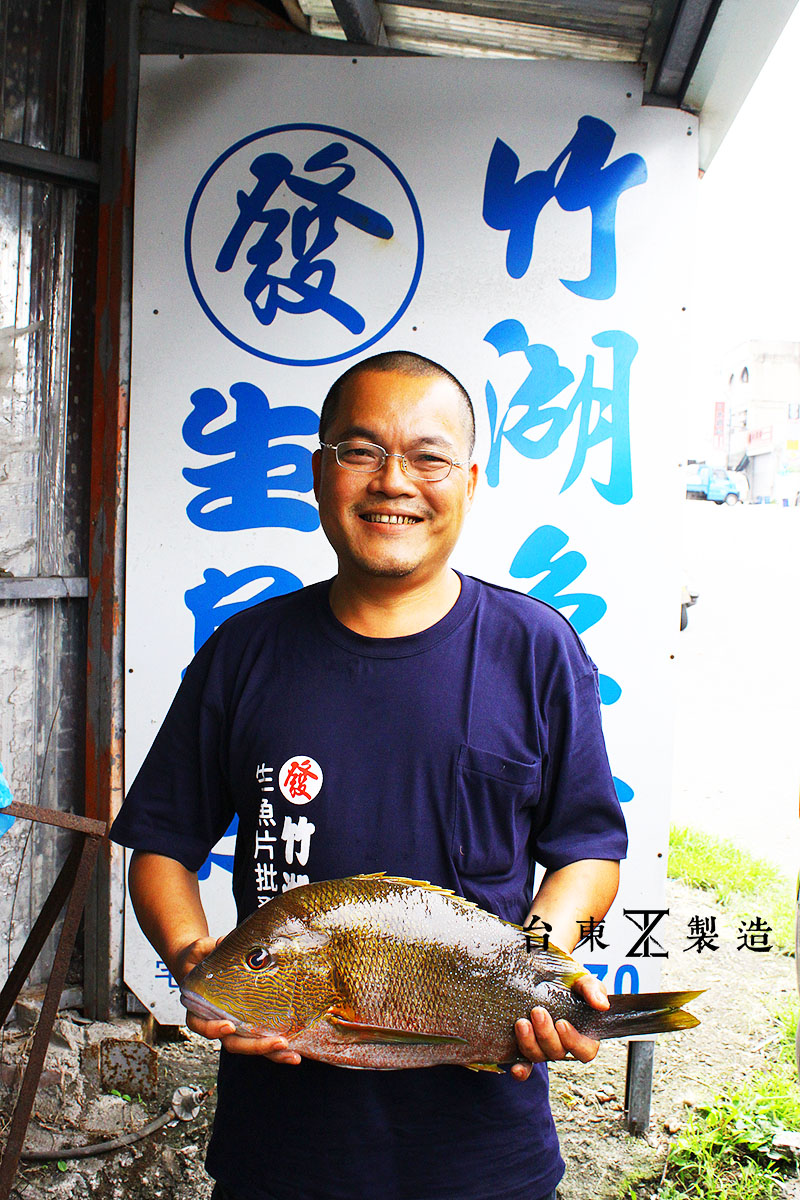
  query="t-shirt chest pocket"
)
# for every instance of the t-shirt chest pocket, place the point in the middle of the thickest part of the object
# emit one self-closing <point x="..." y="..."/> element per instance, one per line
<point x="494" y="797"/>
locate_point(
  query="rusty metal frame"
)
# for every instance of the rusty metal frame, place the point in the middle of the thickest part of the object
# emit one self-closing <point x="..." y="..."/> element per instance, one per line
<point x="71" y="887"/>
<point x="104" y="700"/>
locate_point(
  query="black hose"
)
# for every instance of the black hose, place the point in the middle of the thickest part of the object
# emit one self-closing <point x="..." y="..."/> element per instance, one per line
<point x="186" y="1102"/>
<point x="126" y="1139"/>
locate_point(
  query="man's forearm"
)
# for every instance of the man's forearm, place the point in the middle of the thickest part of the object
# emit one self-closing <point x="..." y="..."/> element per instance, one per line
<point x="574" y="894"/>
<point x="166" y="900"/>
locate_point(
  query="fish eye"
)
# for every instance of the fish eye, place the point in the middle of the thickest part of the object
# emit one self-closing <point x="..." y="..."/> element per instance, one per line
<point x="259" y="959"/>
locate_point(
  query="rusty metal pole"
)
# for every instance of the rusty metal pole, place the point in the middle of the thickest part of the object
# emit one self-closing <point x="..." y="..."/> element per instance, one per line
<point x="639" y="1086"/>
<point x="104" y="754"/>
<point x="72" y="886"/>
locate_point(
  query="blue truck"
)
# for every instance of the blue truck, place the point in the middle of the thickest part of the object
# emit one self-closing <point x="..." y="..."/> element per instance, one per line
<point x="713" y="483"/>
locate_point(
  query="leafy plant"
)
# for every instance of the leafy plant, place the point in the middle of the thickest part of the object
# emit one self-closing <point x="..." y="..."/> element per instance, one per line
<point x="635" y="1186"/>
<point x="785" y="1016"/>
<point x="725" y="1153"/>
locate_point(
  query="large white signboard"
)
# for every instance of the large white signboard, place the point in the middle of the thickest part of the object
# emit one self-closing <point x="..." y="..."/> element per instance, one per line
<point x="524" y="223"/>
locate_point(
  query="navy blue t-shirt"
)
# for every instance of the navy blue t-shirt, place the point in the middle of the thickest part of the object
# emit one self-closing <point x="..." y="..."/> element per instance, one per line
<point x="463" y="755"/>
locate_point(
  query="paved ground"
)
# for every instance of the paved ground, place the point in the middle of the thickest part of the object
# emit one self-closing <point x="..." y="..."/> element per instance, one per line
<point x="737" y="764"/>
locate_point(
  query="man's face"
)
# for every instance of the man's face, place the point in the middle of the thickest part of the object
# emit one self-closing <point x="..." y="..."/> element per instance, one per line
<point x="401" y="413"/>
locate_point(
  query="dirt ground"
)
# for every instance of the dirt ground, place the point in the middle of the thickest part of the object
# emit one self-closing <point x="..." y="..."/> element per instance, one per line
<point x="734" y="1039"/>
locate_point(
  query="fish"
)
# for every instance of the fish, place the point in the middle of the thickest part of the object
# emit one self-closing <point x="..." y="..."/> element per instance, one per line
<point x="384" y="973"/>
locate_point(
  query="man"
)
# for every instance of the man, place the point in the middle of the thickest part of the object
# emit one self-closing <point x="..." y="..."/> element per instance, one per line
<point x="454" y="733"/>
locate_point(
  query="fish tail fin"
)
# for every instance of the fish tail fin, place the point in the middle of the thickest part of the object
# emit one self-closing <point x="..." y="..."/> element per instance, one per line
<point x="647" y="1012"/>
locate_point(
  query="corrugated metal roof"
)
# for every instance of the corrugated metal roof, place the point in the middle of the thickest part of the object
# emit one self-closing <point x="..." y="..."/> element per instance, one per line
<point x="700" y="55"/>
<point x="596" y="30"/>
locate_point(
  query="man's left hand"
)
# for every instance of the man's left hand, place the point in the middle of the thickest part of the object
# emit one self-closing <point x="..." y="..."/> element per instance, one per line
<point x="540" y="1039"/>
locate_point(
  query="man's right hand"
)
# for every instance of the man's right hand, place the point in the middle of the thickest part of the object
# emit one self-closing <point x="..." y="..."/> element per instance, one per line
<point x="166" y="899"/>
<point x="272" y="1046"/>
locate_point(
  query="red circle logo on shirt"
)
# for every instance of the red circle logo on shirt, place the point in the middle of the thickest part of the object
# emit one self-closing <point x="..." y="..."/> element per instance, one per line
<point x="300" y="779"/>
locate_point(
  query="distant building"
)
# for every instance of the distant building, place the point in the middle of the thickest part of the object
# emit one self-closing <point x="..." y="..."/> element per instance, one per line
<point x="763" y="418"/>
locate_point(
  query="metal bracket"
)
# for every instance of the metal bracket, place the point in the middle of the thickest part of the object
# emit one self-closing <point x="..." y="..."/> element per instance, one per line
<point x="165" y="33"/>
<point x="36" y="163"/>
<point x="70" y="887"/>
<point x="43" y="587"/>
<point x="690" y="30"/>
<point x="361" y="21"/>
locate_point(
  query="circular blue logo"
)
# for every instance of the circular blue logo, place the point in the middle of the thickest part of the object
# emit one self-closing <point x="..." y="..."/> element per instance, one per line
<point x="303" y="244"/>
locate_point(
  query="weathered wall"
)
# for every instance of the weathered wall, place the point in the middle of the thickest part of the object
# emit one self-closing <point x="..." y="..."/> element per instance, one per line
<point x="46" y="284"/>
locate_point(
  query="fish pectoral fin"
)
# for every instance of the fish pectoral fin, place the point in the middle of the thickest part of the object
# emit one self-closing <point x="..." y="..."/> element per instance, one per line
<point x="550" y="962"/>
<point x="358" y="1031"/>
<point x="481" y="1066"/>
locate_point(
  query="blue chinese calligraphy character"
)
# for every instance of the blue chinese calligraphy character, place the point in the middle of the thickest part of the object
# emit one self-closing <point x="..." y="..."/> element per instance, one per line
<point x="603" y="412"/>
<point x="203" y="601"/>
<point x="577" y="179"/>
<point x="537" y="556"/>
<point x="612" y="421"/>
<point x="237" y="490"/>
<point x="545" y="380"/>
<point x="313" y="231"/>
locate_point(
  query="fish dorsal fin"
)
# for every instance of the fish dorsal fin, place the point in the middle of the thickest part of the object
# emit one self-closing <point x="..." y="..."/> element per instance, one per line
<point x="426" y="886"/>
<point x="420" y="883"/>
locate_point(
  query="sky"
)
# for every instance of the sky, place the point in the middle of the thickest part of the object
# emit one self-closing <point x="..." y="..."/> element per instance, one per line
<point x="747" y="263"/>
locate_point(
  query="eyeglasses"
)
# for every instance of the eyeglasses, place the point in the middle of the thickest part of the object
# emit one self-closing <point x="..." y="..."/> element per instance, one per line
<point x="367" y="458"/>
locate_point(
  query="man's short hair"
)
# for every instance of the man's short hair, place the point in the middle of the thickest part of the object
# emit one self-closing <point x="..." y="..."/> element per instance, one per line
<point x="401" y="362"/>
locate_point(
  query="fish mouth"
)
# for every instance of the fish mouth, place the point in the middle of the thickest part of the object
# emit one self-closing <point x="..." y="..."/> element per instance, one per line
<point x="205" y="1009"/>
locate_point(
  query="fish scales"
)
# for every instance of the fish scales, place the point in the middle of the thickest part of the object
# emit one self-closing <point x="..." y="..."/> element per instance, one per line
<point x="381" y="972"/>
<point x="395" y="974"/>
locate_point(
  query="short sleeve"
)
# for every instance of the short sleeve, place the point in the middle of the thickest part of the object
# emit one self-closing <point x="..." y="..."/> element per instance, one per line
<point x="179" y="804"/>
<point x="580" y="816"/>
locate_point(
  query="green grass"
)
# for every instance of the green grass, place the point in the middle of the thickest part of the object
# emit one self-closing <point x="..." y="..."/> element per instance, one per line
<point x="745" y="886"/>
<point x="725" y="1151"/>
<point x="785" y="1017"/>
